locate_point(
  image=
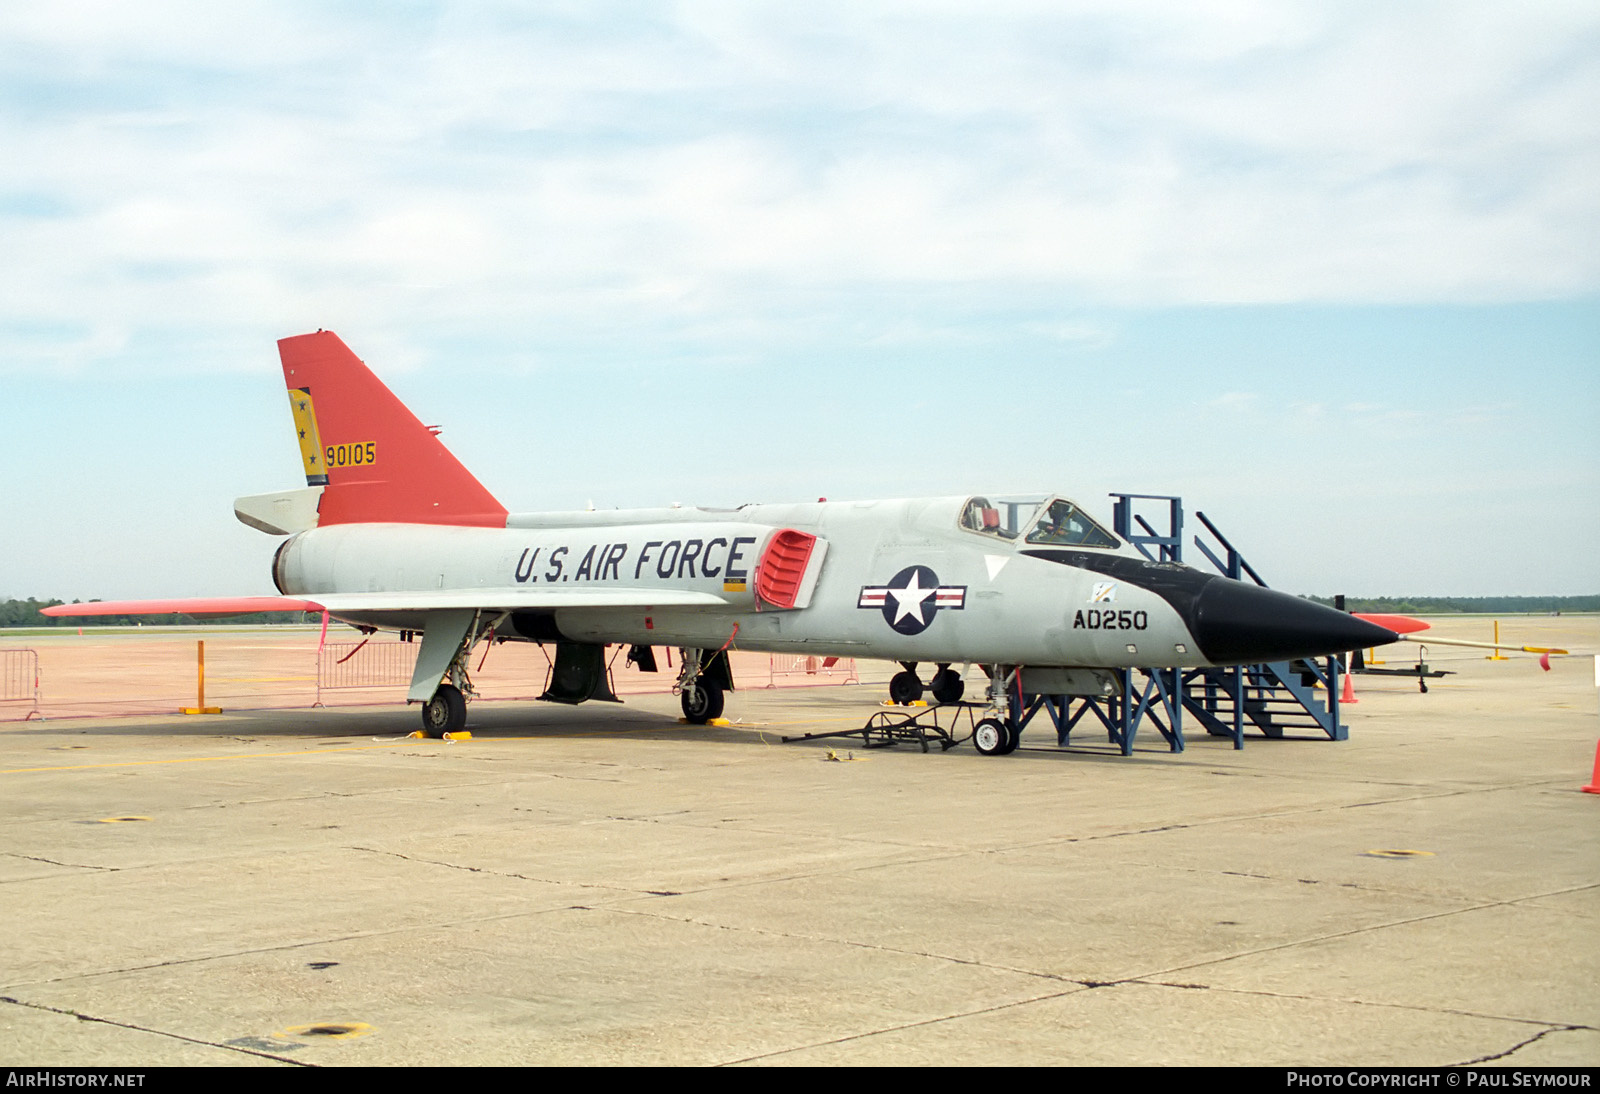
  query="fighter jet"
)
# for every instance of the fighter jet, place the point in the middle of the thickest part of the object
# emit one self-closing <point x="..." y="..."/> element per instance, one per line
<point x="392" y="533"/>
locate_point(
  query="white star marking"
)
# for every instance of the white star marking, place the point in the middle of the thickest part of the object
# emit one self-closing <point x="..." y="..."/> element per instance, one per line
<point x="910" y="600"/>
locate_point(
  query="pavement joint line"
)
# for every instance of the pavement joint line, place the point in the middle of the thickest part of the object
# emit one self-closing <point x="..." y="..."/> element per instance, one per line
<point x="1145" y="978"/>
<point x="834" y="838"/>
<point x="1520" y="1045"/>
<point x="1142" y="978"/>
<point x="1352" y="932"/>
<point x="852" y="943"/>
<point x="443" y="924"/>
<point x="683" y="819"/>
<point x="53" y="862"/>
<point x="1292" y="880"/>
<point x="855" y="868"/>
<point x="80" y="1016"/>
<point x="620" y="890"/>
<point x="1549" y="1026"/>
<point x="206" y="759"/>
<point x="937" y="1020"/>
<point x="1178" y="826"/>
<point x="740" y="884"/>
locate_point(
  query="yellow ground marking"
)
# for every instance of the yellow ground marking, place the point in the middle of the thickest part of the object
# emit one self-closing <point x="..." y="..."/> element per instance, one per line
<point x="1397" y="852"/>
<point x="332" y="1031"/>
<point x="259" y="679"/>
<point x="206" y="759"/>
<point x="404" y="742"/>
<point x="120" y="820"/>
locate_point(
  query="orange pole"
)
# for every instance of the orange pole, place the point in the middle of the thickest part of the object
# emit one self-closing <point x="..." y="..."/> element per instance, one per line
<point x="200" y="683"/>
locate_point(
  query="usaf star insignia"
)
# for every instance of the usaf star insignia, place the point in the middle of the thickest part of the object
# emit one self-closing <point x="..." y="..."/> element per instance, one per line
<point x="912" y="598"/>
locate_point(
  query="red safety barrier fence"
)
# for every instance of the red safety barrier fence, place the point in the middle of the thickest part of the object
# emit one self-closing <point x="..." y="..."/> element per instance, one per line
<point x="787" y="670"/>
<point x="19" y="684"/>
<point x="123" y="671"/>
<point x="365" y="664"/>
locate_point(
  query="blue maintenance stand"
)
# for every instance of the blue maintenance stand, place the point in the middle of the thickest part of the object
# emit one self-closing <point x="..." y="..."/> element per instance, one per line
<point x="1277" y="699"/>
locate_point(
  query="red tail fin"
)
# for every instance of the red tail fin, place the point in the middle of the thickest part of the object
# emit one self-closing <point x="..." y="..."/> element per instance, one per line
<point x="376" y="460"/>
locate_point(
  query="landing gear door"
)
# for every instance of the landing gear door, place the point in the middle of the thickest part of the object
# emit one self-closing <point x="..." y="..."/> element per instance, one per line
<point x="442" y="636"/>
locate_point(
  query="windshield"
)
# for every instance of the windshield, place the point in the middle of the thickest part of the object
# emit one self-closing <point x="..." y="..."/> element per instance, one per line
<point x="1063" y="524"/>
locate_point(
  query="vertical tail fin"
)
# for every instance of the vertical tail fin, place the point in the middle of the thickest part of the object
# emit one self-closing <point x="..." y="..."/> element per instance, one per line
<point x="374" y="459"/>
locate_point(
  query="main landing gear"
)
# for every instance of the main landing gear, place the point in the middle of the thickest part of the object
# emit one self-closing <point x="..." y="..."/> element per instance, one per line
<point x="946" y="685"/>
<point x="702" y="685"/>
<point x="445" y="713"/>
<point x="905" y="687"/>
<point x="447" y="642"/>
<point x="701" y="701"/>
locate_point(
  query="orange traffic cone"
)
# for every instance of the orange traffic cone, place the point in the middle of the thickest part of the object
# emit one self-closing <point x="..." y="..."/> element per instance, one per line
<point x="1349" y="695"/>
<point x="1594" y="780"/>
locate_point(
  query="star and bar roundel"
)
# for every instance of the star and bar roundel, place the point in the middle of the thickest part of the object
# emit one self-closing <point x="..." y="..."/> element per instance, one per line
<point x="912" y="598"/>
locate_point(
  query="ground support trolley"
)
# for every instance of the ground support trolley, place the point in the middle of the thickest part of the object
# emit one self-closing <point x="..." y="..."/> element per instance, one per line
<point x="918" y="725"/>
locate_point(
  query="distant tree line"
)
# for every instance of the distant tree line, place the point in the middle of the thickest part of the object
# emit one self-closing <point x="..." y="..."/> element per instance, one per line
<point x="1446" y="605"/>
<point x="25" y="613"/>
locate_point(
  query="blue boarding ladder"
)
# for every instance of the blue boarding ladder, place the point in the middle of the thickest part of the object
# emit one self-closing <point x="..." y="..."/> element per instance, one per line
<point x="1278" y="699"/>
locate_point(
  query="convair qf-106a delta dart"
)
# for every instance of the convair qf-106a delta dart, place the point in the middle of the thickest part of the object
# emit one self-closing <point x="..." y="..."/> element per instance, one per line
<point x="392" y="533"/>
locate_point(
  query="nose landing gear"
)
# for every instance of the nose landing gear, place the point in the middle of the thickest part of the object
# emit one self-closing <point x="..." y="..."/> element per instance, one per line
<point x="992" y="737"/>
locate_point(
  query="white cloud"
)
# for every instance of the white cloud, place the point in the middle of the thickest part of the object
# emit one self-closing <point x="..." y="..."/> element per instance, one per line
<point x="473" y="162"/>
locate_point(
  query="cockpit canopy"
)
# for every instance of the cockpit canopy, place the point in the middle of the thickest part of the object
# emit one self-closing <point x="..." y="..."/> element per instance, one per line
<point x="1054" y="522"/>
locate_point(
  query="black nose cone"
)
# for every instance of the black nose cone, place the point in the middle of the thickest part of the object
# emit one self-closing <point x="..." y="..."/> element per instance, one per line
<point x="1240" y="624"/>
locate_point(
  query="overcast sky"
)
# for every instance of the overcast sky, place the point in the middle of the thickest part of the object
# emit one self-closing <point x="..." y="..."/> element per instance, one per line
<point x="1329" y="271"/>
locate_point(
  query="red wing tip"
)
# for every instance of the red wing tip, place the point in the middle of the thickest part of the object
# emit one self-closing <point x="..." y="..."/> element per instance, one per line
<point x="207" y="605"/>
<point x="1400" y="624"/>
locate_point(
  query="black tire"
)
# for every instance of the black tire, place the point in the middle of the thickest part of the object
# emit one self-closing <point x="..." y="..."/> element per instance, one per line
<point x="702" y="701"/>
<point x="990" y="737"/>
<point x="905" y="687"/>
<point x="947" y="686"/>
<point x="445" y="713"/>
<point x="1013" y="739"/>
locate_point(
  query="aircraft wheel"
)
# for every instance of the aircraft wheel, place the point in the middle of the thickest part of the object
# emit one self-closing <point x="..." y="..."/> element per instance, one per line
<point x="702" y="701"/>
<point x="905" y="687"/>
<point x="947" y="686"/>
<point x="990" y="737"/>
<point x="445" y="713"/>
<point x="1013" y="739"/>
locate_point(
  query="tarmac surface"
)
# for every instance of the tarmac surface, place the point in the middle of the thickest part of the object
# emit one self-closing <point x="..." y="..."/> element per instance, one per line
<point x="603" y="885"/>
